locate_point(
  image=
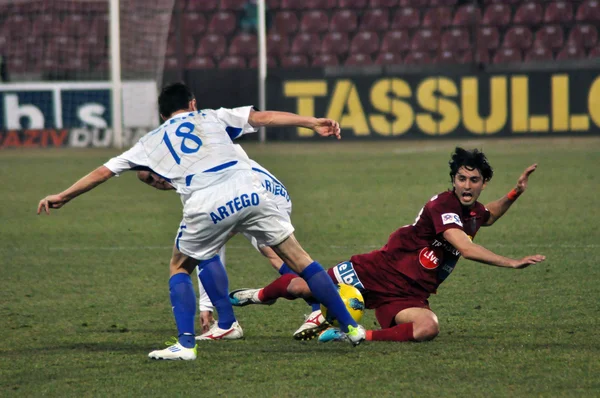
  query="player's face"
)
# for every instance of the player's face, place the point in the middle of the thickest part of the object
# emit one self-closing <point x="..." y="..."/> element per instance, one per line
<point x="468" y="185"/>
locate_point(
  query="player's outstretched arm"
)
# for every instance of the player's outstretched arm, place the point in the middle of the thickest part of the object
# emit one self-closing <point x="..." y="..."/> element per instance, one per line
<point x="85" y="184"/>
<point x="154" y="180"/>
<point x="475" y="252"/>
<point x="498" y="207"/>
<point x="323" y="127"/>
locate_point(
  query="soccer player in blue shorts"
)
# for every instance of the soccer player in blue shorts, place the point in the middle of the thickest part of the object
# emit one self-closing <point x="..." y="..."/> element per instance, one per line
<point x="193" y="151"/>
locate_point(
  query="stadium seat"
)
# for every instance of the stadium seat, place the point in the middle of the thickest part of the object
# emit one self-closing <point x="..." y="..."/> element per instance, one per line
<point x="293" y="4"/>
<point x="583" y="35"/>
<point x="277" y="44"/>
<point x="244" y="44"/>
<point x="437" y="17"/>
<point x="359" y="60"/>
<point x="75" y="64"/>
<point x="315" y="21"/>
<point x="396" y="41"/>
<point x="425" y="40"/>
<point x="76" y="25"/>
<point x="223" y="23"/>
<point x="502" y="1"/>
<point x="388" y="58"/>
<point x="352" y="3"/>
<point x="571" y="52"/>
<point x="232" y="5"/>
<point x="336" y="43"/>
<point x="199" y="62"/>
<point x="232" y="62"/>
<point x="550" y="36"/>
<point x="193" y="23"/>
<point x="518" y="37"/>
<point x="497" y="15"/>
<point x="455" y="39"/>
<point x="507" y="55"/>
<point x="442" y="3"/>
<point x="201" y="5"/>
<point x="171" y="63"/>
<point x="325" y="60"/>
<point x="99" y="26"/>
<point x="306" y="44"/>
<point x="538" y="53"/>
<point x="189" y="45"/>
<point x="594" y="52"/>
<point x="365" y="43"/>
<point x="375" y="20"/>
<point x="294" y="61"/>
<point x="273" y="4"/>
<point x="343" y="21"/>
<point x="320" y="4"/>
<point x="589" y="11"/>
<point x="558" y="12"/>
<point x="448" y="57"/>
<point x="383" y="3"/>
<point x="482" y="56"/>
<point x="212" y="45"/>
<point x="285" y="22"/>
<point x="414" y="3"/>
<point x="467" y="15"/>
<point x="418" y="58"/>
<point x="528" y="14"/>
<point x="45" y="25"/>
<point x="406" y="18"/>
<point x="271" y="62"/>
<point x="488" y="38"/>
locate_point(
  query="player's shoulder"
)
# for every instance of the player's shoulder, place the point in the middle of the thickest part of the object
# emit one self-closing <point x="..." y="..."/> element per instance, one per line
<point x="444" y="200"/>
<point x="479" y="208"/>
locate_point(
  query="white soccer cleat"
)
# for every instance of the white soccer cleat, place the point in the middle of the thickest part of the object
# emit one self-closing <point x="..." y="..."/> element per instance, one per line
<point x="175" y="351"/>
<point x="312" y="326"/>
<point x="355" y="335"/>
<point x="244" y="297"/>
<point x="235" y="332"/>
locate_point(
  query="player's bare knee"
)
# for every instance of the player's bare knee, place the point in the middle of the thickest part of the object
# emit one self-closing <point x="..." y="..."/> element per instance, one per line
<point x="299" y="288"/>
<point x="426" y="329"/>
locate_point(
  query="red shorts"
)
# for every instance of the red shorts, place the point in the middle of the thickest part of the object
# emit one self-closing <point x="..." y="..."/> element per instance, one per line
<point x="386" y="306"/>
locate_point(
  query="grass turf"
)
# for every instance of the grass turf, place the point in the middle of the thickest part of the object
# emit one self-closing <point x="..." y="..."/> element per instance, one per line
<point x="84" y="295"/>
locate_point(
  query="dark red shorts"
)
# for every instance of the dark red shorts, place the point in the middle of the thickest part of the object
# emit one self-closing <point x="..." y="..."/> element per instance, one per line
<point x="386" y="306"/>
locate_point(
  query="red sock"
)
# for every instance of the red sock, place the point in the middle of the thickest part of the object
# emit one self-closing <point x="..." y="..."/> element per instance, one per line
<point x="278" y="289"/>
<point x="402" y="332"/>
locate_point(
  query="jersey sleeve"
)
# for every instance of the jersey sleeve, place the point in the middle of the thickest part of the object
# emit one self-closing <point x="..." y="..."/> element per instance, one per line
<point x="236" y="121"/>
<point x="133" y="158"/>
<point x="445" y="216"/>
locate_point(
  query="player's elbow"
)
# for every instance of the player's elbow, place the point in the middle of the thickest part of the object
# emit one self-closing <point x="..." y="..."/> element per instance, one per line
<point x="468" y="252"/>
<point x="259" y="118"/>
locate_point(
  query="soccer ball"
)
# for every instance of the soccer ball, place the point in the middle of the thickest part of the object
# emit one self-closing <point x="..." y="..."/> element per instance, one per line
<point x="352" y="299"/>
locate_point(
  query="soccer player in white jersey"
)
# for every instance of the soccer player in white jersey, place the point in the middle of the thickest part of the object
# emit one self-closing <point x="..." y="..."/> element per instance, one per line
<point x="193" y="150"/>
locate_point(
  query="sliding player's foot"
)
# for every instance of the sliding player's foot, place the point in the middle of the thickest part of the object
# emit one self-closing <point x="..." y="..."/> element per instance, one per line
<point x="235" y="332"/>
<point x="355" y="335"/>
<point x="243" y="297"/>
<point x="312" y="326"/>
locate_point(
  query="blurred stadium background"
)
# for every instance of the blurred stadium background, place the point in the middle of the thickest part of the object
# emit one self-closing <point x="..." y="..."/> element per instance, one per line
<point x="384" y="68"/>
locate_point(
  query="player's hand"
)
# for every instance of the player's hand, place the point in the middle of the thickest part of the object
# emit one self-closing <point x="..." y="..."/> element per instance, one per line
<point x="529" y="260"/>
<point x="206" y="320"/>
<point x="51" y="202"/>
<point x="154" y="180"/>
<point x="522" y="181"/>
<point x="328" y="127"/>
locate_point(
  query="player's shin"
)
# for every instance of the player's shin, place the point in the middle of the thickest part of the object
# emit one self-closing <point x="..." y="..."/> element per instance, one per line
<point x="402" y="332"/>
<point x="325" y="291"/>
<point x="215" y="281"/>
<point x="183" y="301"/>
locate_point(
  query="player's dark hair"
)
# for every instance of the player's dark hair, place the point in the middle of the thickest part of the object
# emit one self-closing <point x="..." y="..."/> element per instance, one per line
<point x="174" y="97"/>
<point x="473" y="159"/>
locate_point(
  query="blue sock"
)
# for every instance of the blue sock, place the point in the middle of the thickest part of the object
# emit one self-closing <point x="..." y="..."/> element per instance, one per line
<point x="314" y="306"/>
<point x="183" y="301"/>
<point x="285" y="269"/>
<point x="215" y="282"/>
<point x="324" y="291"/>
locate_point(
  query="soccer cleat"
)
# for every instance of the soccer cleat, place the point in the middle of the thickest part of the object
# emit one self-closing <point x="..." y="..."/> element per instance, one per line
<point x="244" y="297"/>
<point x="312" y="326"/>
<point x="355" y="335"/>
<point x="175" y="351"/>
<point x="235" y="332"/>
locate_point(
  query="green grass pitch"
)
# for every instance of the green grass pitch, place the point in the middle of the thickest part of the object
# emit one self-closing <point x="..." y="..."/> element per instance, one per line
<point x="84" y="294"/>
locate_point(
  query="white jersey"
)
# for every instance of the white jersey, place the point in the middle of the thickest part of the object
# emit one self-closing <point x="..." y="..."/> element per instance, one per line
<point x="191" y="150"/>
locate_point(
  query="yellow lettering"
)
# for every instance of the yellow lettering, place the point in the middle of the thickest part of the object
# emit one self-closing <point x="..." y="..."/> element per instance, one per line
<point x="580" y="123"/>
<point x="560" y="103"/>
<point x="427" y="98"/>
<point x="382" y="100"/>
<point x="470" y="105"/>
<point x="346" y="96"/>
<point x="305" y="91"/>
<point x="520" y="103"/>
<point x="594" y="101"/>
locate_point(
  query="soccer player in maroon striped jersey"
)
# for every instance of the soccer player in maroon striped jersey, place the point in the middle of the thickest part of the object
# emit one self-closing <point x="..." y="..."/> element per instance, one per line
<point x="397" y="279"/>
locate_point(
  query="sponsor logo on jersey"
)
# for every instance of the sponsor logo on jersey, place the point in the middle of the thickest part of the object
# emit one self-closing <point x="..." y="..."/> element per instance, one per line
<point x="451" y="218"/>
<point x="429" y="259"/>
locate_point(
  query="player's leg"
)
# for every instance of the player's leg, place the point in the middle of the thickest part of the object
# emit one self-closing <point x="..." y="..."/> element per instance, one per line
<point x="408" y="324"/>
<point x="183" y="302"/>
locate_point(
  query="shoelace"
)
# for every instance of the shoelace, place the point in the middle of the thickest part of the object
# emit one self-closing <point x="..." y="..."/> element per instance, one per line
<point x="172" y="341"/>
